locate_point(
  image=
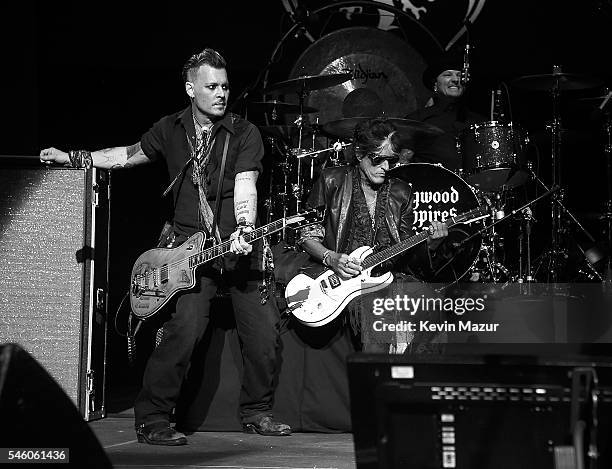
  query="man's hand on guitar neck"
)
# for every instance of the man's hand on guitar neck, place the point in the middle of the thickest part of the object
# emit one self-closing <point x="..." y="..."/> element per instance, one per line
<point x="343" y="265"/>
<point x="239" y="245"/>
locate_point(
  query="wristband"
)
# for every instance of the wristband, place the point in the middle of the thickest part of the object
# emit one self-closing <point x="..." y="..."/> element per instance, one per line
<point x="326" y="254"/>
<point x="243" y="225"/>
<point x="80" y="159"/>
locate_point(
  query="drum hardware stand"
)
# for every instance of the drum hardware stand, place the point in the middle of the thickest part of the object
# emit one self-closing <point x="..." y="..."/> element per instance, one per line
<point x="336" y="147"/>
<point x="525" y="240"/>
<point x="607" y="216"/>
<point x="554" y="252"/>
<point x="297" y="187"/>
<point x="499" y="220"/>
<point x="285" y="165"/>
<point x="490" y="241"/>
<point x="559" y="208"/>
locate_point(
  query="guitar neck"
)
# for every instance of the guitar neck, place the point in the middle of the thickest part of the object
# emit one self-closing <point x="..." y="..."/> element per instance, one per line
<point x="397" y="249"/>
<point x="222" y="248"/>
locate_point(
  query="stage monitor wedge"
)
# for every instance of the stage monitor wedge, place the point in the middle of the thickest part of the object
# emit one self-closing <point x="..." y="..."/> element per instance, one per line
<point x="490" y="412"/>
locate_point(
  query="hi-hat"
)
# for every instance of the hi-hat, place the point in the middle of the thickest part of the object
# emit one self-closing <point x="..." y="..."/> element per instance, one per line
<point x="308" y="83"/>
<point x="407" y="129"/>
<point x="282" y="107"/>
<point x="560" y="81"/>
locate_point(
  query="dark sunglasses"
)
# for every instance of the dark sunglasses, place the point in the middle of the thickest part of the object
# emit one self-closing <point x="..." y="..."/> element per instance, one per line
<point x="377" y="160"/>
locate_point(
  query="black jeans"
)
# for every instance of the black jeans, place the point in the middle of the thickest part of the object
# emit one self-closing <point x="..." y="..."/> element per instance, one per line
<point x="258" y="329"/>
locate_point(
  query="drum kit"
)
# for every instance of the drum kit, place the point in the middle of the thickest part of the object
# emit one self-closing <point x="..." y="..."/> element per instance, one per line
<point x="494" y="156"/>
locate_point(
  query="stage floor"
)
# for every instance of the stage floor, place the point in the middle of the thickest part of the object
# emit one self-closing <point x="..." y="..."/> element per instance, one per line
<point x="223" y="449"/>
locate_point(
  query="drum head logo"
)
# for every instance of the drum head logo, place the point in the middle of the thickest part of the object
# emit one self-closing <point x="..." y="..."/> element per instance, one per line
<point x="430" y="206"/>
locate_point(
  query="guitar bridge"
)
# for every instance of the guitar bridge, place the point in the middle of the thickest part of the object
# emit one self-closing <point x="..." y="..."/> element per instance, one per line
<point x="147" y="283"/>
<point x="143" y="290"/>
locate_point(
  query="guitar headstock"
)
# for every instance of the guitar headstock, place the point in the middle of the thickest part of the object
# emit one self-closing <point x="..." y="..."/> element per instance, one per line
<point x="309" y="217"/>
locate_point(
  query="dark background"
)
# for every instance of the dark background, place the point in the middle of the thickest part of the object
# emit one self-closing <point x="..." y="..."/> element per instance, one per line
<point x="95" y="75"/>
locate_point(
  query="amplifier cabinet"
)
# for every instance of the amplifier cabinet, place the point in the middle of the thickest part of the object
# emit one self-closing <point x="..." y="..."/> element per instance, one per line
<point x="54" y="232"/>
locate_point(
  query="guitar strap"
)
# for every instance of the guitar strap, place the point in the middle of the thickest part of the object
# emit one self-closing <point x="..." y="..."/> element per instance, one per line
<point x="179" y="175"/>
<point x="220" y="186"/>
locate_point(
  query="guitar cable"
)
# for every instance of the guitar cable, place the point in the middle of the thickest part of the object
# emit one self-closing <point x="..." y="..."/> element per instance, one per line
<point x="129" y="335"/>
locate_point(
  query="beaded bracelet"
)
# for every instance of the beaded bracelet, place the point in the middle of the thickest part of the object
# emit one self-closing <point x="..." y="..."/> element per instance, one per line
<point x="80" y="159"/>
<point x="326" y="254"/>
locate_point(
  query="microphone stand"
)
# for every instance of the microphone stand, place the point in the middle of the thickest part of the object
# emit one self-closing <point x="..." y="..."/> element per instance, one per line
<point x="465" y="74"/>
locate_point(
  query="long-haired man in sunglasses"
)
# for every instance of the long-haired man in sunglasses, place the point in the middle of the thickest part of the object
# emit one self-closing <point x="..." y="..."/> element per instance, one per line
<point x="365" y="207"/>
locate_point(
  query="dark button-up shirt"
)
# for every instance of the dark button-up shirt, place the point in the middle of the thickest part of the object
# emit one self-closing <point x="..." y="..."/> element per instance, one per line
<point x="167" y="139"/>
<point x="453" y="118"/>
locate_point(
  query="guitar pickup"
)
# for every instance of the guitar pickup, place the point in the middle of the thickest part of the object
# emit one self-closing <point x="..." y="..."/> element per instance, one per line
<point x="324" y="285"/>
<point x="156" y="293"/>
<point x="334" y="281"/>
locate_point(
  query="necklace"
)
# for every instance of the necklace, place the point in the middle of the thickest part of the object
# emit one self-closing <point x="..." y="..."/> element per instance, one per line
<point x="371" y="196"/>
<point x="199" y="124"/>
<point x="202" y="137"/>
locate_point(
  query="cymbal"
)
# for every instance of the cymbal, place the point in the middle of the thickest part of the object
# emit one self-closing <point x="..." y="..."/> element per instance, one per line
<point x="564" y="82"/>
<point x="407" y="128"/>
<point x="282" y="107"/>
<point x="598" y="99"/>
<point x="386" y="74"/>
<point x="304" y="84"/>
<point x="596" y="215"/>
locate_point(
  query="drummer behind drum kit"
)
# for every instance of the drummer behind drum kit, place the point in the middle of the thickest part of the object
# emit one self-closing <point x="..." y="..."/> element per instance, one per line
<point x="494" y="162"/>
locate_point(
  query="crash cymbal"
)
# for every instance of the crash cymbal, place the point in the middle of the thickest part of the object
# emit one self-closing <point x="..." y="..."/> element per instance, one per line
<point x="407" y="129"/>
<point x="564" y="82"/>
<point x="305" y="84"/>
<point x="281" y="107"/>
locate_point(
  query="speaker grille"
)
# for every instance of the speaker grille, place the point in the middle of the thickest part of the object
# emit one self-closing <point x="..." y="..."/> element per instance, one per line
<point x="44" y="227"/>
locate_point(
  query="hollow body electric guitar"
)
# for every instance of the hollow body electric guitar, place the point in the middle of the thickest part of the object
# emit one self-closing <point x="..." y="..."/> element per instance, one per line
<point x="317" y="298"/>
<point x="158" y="274"/>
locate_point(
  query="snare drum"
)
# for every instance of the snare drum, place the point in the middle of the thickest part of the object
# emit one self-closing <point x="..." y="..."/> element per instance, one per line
<point x="438" y="194"/>
<point x="493" y="155"/>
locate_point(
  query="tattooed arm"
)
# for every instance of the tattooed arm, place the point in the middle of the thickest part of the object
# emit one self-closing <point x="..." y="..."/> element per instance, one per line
<point x="109" y="158"/>
<point x="245" y="197"/>
<point x="245" y="209"/>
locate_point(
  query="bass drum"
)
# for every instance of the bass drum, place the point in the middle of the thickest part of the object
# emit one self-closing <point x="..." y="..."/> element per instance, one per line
<point x="438" y="194"/>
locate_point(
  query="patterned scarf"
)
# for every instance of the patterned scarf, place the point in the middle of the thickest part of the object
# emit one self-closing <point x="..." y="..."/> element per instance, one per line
<point x="201" y="178"/>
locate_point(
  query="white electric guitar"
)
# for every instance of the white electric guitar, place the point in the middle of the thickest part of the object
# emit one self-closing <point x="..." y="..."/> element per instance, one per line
<point x="318" y="298"/>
